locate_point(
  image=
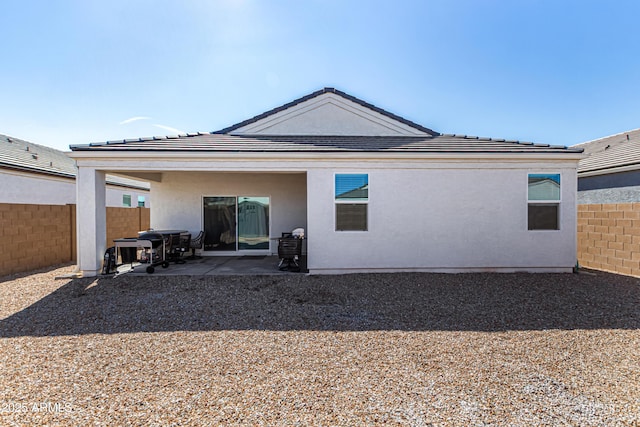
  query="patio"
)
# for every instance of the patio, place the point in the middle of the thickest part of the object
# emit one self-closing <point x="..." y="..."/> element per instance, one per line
<point x="218" y="266"/>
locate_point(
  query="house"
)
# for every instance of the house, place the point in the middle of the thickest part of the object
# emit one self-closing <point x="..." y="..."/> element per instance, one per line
<point x="374" y="191"/>
<point x="609" y="208"/>
<point x="611" y="171"/>
<point x="35" y="174"/>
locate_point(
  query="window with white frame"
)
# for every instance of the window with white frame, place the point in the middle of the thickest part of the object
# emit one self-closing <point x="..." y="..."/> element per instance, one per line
<point x="126" y="200"/>
<point x="543" y="197"/>
<point x="141" y="201"/>
<point x="351" y="200"/>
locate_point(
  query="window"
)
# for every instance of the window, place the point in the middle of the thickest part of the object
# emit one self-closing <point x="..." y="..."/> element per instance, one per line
<point x="126" y="200"/>
<point x="141" y="201"/>
<point x="544" y="202"/>
<point x="351" y="198"/>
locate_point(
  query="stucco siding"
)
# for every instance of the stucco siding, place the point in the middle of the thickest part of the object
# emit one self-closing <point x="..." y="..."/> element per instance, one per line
<point x="26" y="188"/>
<point x="610" y="195"/>
<point x="114" y="196"/>
<point x="36" y="189"/>
<point x="178" y="198"/>
<point x="439" y="218"/>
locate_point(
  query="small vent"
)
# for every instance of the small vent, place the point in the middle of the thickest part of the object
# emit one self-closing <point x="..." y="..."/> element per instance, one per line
<point x="26" y="148"/>
<point x="35" y="156"/>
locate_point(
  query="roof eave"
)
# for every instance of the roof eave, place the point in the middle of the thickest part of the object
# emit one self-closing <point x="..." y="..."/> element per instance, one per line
<point x="609" y="170"/>
<point x="317" y="155"/>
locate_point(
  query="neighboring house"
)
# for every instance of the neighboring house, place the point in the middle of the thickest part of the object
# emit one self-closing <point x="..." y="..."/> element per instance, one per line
<point x="611" y="171"/>
<point x="35" y="174"/>
<point x="374" y="191"/>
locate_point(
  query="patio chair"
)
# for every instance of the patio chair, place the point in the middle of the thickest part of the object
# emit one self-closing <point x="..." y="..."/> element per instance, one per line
<point x="174" y="251"/>
<point x="185" y="243"/>
<point x="196" y="243"/>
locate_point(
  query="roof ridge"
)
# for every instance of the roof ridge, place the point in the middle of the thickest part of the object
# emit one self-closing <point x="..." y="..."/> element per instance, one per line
<point x="322" y="92"/>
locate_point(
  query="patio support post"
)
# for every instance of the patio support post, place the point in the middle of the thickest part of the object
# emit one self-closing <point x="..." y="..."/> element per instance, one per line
<point x="91" y="220"/>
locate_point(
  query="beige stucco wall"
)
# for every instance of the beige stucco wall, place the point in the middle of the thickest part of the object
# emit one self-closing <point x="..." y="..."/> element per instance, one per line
<point x="425" y="214"/>
<point x="442" y="217"/>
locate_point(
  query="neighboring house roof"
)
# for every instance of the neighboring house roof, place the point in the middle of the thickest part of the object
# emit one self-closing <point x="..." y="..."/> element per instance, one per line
<point x="20" y="155"/>
<point x="611" y="154"/>
<point x="283" y="130"/>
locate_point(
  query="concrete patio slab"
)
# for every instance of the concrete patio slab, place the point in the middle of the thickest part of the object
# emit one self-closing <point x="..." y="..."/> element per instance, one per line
<point x="218" y="265"/>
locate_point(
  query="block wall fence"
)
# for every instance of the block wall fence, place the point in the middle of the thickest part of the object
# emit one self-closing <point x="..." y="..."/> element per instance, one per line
<point x="609" y="237"/>
<point x="39" y="236"/>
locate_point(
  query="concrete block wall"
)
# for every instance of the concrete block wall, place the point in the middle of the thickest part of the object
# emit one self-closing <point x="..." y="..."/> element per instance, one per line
<point x="34" y="236"/>
<point x="609" y="237"/>
<point x="39" y="236"/>
<point x="126" y="222"/>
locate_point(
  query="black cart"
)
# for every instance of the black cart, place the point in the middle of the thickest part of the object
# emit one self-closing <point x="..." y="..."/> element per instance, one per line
<point x="290" y="251"/>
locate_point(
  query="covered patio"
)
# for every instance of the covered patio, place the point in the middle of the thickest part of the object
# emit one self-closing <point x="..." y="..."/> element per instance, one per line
<point x="242" y="212"/>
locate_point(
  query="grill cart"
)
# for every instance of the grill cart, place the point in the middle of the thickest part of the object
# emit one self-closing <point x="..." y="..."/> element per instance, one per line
<point x="153" y="252"/>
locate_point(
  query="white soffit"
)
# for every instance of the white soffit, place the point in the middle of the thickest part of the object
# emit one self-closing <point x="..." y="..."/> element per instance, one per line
<point x="328" y="114"/>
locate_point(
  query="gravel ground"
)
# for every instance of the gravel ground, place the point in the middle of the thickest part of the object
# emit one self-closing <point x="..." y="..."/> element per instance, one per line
<point x="392" y="349"/>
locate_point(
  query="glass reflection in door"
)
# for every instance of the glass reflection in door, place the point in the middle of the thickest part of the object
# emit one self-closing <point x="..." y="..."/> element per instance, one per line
<point x="253" y="223"/>
<point x="220" y="223"/>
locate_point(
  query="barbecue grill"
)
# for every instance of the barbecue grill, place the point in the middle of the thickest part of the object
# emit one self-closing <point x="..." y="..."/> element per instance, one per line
<point x="152" y="253"/>
<point x="290" y="250"/>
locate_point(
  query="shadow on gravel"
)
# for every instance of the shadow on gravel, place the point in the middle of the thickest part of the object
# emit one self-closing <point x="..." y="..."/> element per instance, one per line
<point x="409" y="302"/>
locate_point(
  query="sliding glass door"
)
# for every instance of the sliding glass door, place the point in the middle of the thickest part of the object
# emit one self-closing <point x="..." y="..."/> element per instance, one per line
<point x="236" y="223"/>
<point x="220" y="223"/>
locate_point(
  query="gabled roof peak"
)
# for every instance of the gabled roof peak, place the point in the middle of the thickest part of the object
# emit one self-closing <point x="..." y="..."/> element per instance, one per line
<point x="318" y="93"/>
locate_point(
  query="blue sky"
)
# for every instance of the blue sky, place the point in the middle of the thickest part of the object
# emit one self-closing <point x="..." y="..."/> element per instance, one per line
<point x="558" y="72"/>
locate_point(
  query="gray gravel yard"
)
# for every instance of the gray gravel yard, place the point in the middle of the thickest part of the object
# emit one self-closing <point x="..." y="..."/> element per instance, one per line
<point x="365" y="349"/>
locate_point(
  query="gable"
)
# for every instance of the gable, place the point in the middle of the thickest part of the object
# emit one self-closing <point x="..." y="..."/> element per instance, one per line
<point x="329" y="114"/>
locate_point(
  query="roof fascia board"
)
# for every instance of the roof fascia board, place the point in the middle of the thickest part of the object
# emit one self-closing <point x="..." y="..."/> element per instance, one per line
<point x="608" y="171"/>
<point x="312" y="156"/>
<point x="36" y="171"/>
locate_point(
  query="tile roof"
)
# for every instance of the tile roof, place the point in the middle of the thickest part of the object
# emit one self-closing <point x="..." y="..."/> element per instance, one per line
<point x="223" y="141"/>
<point x="615" y="151"/>
<point x="23" y="155"/>
<point x="18" y="154"/>
<point x="273" y="143"/>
